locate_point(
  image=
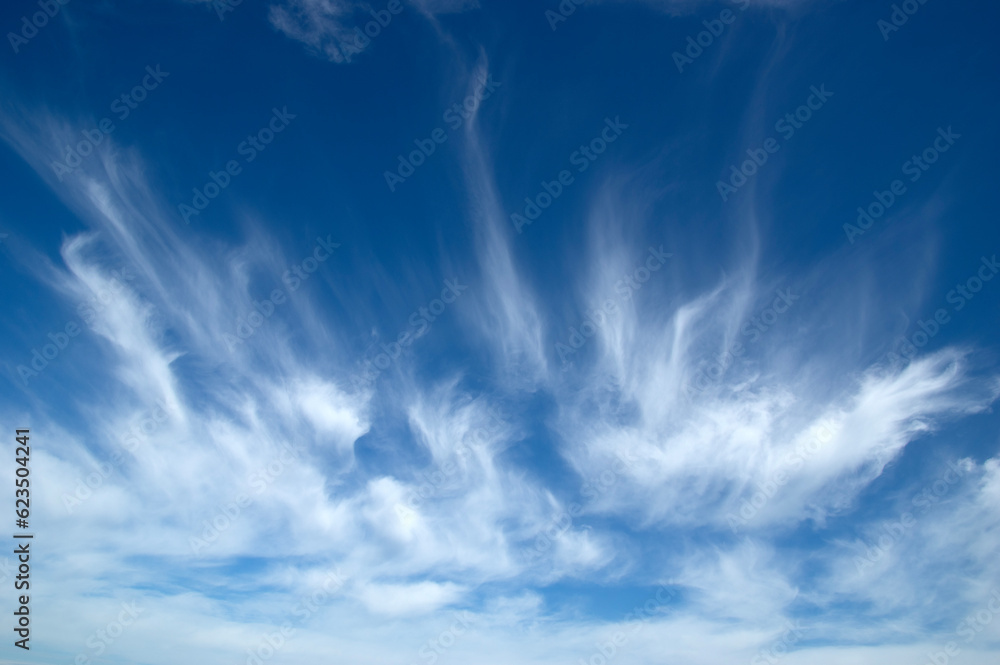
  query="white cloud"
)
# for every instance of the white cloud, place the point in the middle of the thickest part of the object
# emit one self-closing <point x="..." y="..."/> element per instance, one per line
<point x="406" y="599"/>
<point x="231" y="416"/>
<point x="335" y="29"/>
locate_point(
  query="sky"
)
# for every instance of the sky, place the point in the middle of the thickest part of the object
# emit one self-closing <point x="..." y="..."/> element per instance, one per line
<point x="444" y="331"/>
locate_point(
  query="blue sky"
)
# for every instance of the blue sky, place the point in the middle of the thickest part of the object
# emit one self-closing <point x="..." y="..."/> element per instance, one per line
<point x="636" y="331"/>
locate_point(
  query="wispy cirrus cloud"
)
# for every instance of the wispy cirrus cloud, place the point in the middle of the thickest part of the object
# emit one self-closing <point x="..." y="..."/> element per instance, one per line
<point x="271" y="467"/>
<point x="339" y="30"/>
